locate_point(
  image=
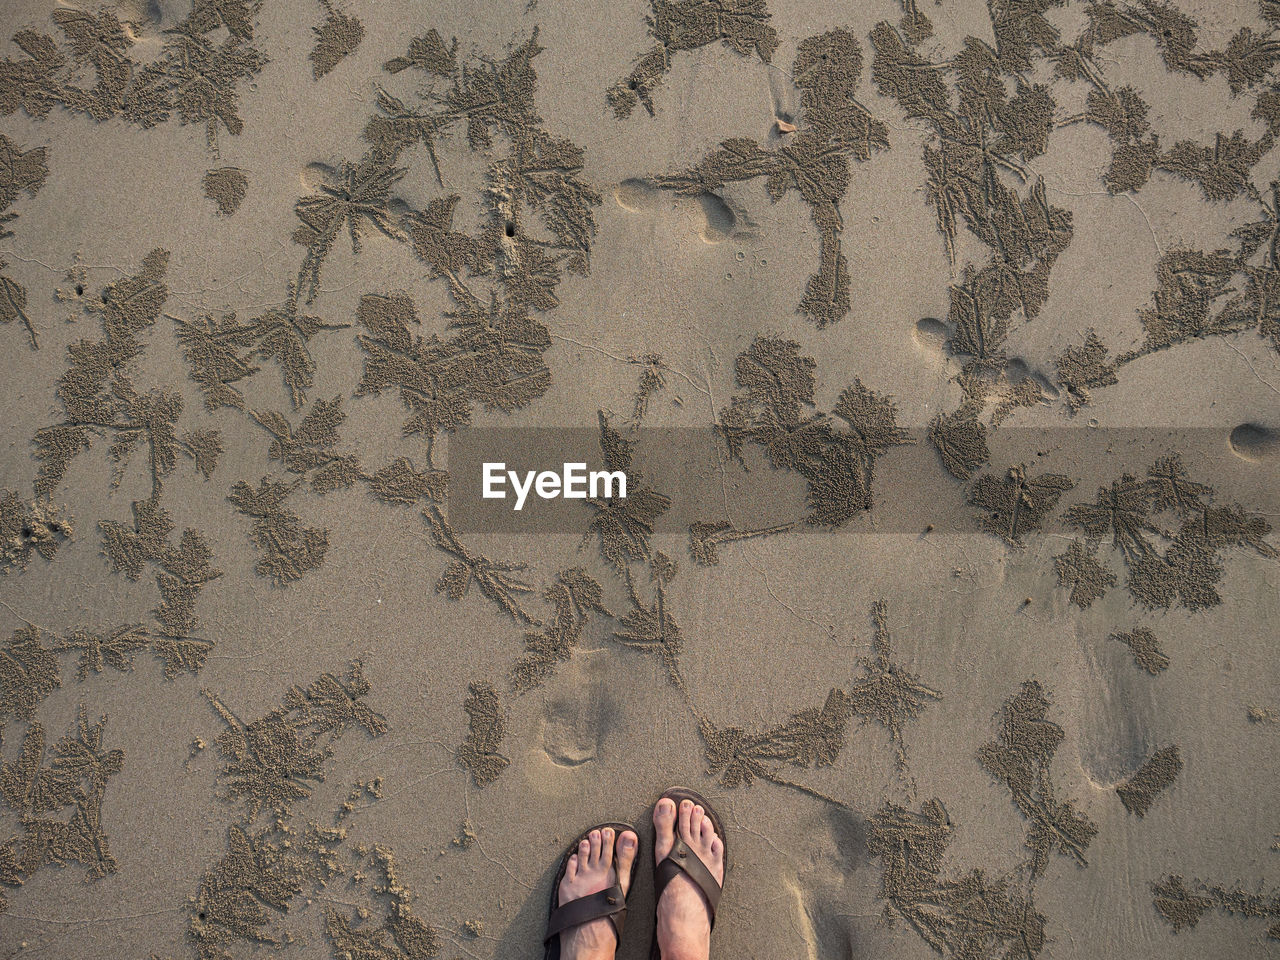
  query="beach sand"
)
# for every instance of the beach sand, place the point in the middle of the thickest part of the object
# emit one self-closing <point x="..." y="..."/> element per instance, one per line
<point x="964" y="620"/>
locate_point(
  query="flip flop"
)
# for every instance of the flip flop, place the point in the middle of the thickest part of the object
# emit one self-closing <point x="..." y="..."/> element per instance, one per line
<point x="610" y="903"/>
<point x="682" y="859"/>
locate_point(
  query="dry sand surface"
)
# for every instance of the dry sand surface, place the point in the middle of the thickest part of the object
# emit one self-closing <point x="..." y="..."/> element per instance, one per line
<point x="940" y="340"/>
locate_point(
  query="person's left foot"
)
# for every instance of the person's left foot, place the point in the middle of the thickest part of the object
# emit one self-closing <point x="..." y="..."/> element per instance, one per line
<point x="591" y="869"/>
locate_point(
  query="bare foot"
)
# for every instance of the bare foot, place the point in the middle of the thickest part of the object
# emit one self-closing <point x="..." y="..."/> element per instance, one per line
<point x="589" y="871"/>
<point x="684" y="917"/>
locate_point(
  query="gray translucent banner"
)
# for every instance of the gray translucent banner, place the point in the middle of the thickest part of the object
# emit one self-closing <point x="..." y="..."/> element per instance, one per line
<point x="911" y="489"/>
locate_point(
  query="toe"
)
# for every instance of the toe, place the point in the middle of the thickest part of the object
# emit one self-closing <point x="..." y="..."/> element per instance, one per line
<point x="686" y="812"/>
<point x="628" y="847"/>
<point x="708" y="830"/>
<point x="606" y="847"/>
<point x="593" y="845"/>
<point x="695" y="822"/>
<point x="664" y="819"/>
<point x="571" y="868"/>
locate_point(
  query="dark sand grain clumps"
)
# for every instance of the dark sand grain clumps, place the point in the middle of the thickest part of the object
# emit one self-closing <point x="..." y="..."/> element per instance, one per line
<point x="1020" y="757"/>
<point x="270" y="765"/>
<point x="273" y="762"/>
<point x="1182" y="906"/>
<point x="195" y="78"/>
<point x="1080" y="570"/>
<point x="961" y="439"/>
<point x="54" y="795"/>
<point x="1084" y="369"/>
<point x="812" y="737"/>
<point x="1169" y="533"/>
<point x="496" y="581"/>
<point x="677" y="25"/>
<point x="337" y="37"/>
<point x="100" y="399"/>
<point x="575" y="597"/>
<point x="180" y="570"/>
<point x="967" y="915"/>
<point x="288" y="548"/>
<point x="29" y="672"/>
<point x="485" y="732"/>
<point x="226" y="186"/>
<point x="652" y="628"/>
<point x="623" y="526"/>
<point x="20" y="171"/>
<point x="428" y="54"/>
<point x="1017" y="504"/>
<point x="1146" y="649"/>
<point x="836" y="453"/>
<point x="885" y="694"/>
<point x="401" y="935"/>
<point x="706" y="537"/>
<point x="1139" y="792"/>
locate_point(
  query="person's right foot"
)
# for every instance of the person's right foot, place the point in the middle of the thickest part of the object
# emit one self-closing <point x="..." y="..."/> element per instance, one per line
<point x="684" y="916"/>
<point x="591" y="869"/>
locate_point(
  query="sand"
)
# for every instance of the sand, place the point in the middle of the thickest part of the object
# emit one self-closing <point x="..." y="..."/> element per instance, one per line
<point x="938" y="343"/>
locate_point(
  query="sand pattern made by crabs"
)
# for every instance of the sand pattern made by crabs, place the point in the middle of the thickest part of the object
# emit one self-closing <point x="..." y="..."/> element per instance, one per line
<point x="979" y="298"/>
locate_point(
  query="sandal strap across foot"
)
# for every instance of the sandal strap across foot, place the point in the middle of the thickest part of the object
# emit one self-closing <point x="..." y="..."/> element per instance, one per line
<point x="684" y="860"/>
<point x="610" y="904"/>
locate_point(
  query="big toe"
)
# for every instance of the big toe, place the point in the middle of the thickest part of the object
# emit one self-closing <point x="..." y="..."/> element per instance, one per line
<point x="664" y="822"/>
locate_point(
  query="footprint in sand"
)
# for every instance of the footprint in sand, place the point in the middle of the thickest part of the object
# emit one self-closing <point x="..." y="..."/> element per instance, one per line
<point x="1016" y="370"/>
<point x="580" y="714"/>
<point x="1116" y="731"/>
<point x="314" y="175"/>
<point x="710" y="215"/>
<point x="831" y="894"/>
<point x="1254" y="442"/>
<point x="930" y="334"/>
<point x="142" y="12"/>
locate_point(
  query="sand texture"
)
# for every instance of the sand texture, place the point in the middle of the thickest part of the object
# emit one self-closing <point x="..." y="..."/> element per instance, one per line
<point x="939" y="341"/>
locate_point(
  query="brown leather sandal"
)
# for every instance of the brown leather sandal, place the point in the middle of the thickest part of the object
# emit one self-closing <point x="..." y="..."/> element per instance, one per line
<point x="682" y="859"/>
<point x="610" y="903"/>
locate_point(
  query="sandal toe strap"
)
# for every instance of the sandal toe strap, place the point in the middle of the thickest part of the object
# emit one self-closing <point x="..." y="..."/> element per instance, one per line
<point x="610" y="904"/>
<point x="682" y="859"/>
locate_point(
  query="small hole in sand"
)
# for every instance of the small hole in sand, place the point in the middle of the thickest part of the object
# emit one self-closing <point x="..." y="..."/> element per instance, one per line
<point x="26" y="533"/>
<point x="511" y="228"/>
<point x="79" y="289"/>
